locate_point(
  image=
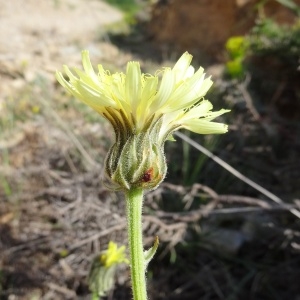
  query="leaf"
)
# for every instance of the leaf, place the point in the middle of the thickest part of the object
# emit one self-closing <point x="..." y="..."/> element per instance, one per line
<point x="148" y="254"/>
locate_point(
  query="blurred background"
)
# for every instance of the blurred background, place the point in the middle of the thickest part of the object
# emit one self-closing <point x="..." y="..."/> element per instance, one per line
<point x="222" y="236"/>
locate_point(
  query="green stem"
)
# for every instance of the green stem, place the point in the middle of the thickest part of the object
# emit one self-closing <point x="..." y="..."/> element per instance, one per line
<point x="134" y="201"/>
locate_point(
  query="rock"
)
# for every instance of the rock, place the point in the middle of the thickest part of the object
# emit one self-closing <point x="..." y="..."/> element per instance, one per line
<point x="203" y="26"/>
<point x="224" y="241"/>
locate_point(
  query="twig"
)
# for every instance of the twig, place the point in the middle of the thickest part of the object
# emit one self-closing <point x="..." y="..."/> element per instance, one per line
<point x="28" y="244"/>
<point x="245" y="200"/>
<point x="91" y="162"/>
<point x="234" y="172"/>
<point x="195" y="215"/>
<point x="234" y="210"/>
<point x="98" y="235"/>
<point x="61" y="289"/>
<point x="167" y="227"/>
<point x="248" y="99"/>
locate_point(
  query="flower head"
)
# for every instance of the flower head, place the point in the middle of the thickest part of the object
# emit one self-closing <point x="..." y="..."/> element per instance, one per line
<point x="144" y="111"/>
<point x="101" y="277"/>
<point x="113" y="255"/>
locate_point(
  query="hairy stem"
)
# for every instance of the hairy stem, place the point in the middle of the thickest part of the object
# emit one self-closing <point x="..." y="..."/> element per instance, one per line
<point x="134" y="201"/>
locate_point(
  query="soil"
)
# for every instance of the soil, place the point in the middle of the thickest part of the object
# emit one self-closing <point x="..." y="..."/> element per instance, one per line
<point x="39" y="38"/>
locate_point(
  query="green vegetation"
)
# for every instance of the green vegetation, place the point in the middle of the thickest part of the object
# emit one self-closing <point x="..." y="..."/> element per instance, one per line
<point x="129" y="7"/>
<point x="282" y="41"/>
<point x="125" y="5"/>
<point x="267" y="38"/>
<point x="236" y="47"/>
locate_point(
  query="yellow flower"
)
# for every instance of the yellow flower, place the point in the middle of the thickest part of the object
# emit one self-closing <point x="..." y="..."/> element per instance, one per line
<point x="136" y="99"/>
<point x="113" y="255"/>
<point x="144" y="111"/>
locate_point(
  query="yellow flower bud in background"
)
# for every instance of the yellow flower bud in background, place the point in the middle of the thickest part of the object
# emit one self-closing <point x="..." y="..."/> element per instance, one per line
<point x="101" y="277"/>
<point x="113" y="255"/>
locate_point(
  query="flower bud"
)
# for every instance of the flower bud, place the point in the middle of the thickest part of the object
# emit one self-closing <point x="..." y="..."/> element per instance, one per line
<point x="137" y="161"/>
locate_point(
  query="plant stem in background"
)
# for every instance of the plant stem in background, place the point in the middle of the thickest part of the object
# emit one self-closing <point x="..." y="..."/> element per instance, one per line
<point x="134" y="202"/>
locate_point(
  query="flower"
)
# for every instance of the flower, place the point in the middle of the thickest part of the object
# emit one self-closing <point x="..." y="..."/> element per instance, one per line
<point x="113" y="255"/>
<point x="101" y="278"/>
<point x="144" y="111"/>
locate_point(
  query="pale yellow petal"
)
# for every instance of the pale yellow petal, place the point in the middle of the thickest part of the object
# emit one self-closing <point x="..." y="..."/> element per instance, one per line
<point x="87" y="66"/>
<point x="86" y="80"/>
<point x="205" y="127"/>
<point x="189" y="73"/>
<point x="66" y="84"/>
<point x="189" y="92"/>
<point x="148" y="92"/>
<point x="182" y="67"/>
<point x="212" y="115"/>
<point x="71" y="76"/>
<point x="198" y="111"/>
<point x="92" y="97"/>
<point x="133" y="84"/>
<point x="165" y="90"/>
